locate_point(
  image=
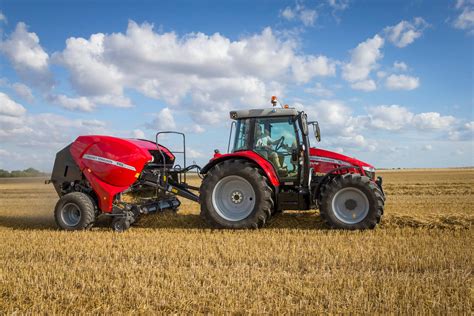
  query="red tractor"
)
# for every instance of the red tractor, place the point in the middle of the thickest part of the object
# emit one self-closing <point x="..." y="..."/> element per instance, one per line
<point x="270" y="168"/>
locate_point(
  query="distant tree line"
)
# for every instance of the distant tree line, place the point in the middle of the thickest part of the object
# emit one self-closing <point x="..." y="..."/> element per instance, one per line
<point x="30" y="172"/>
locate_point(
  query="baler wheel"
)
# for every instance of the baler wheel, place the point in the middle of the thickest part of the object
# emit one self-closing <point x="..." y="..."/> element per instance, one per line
<point x="351" y="201"/>
<point x="75" y="211"/>
<point x="234" y="194"/>
<point x="120" y="224"/>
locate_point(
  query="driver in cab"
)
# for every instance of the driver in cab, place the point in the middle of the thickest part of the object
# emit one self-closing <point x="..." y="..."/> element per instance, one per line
<point x="264" y="146"/>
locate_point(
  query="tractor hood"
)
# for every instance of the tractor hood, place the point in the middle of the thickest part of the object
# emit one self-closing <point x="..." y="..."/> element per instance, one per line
<point x="324" y="160"/>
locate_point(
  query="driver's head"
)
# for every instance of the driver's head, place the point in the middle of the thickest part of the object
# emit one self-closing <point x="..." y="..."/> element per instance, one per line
<point x="258" y="132"/>
<point x="267" y="132"/>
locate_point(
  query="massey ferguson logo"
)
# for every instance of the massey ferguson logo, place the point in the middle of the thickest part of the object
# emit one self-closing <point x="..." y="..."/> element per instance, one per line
<point x="109" y="161"/>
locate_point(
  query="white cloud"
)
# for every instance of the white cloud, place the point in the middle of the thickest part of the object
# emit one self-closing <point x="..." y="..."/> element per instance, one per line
<point x="194" y="128"/>
<point x="138" y="133"/>
<point x="25" y="53"/>
<point x="74" y="104"/>
<point x="164" y="120"/>
<point x="304" y="15"/>
<point x="381" y="74"/>
<point x="192" y="153"/>
<point x="363" y="59"/>
<point x="400" y="66"/>
<point x="396" y="117"/>
<point x="402" y="82"/>
<point x="90" y="73"/>
<point x="9" y="107"/>
<point x="46" y="131"/>
<point x="288" y="13"/>
<point x="433" y="120"/>
<point x="307" y="67"/>
<point x="405" y="33"/>
<point x="23" y="91"/>
<point x="320" y="91"/>
<point x="427" y="147"/>
<point x="3" y="18"/>
<point x="186" y="72"/>
<point x="364" y="85"/>
<point x="465" y="20"/>
<point x="308" y="17"/>
<point x="339" y="4"/>
<point x="389" y="117"/>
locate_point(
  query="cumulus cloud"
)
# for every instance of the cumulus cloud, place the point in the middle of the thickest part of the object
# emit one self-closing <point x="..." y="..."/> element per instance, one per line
<point x="300" y="13"/>
<point x="364" y="85"/>
<point x="48" y="131"/>
<point x="432" y="120"/>
<point x="307" y="67"/>
<point x="23" y="91"/>
<point x="3" y="18"/>
<point x="396" y="117"/>
<point x="164" y="120"/>
<point x="187" y="72"/>
<point x="194" y="128"/>
<point x="400" y="66"/>
<point x="320" y="91"/>
<point x="389" y="117"/>
<point x="402" y="82"/>
<point x="465" y="19"/>
<point x="363" y="60"/>
<point x="138" y="133"/>
<point x="29" y="59"/>
<point x="74" y="104"/>
<point x="9" y="107"/>
<point x="339" y="4"/>
<point x="405" y="32"/>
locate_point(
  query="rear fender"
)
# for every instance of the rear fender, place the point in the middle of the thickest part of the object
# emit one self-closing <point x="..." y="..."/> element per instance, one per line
<point x="251" y="156"/>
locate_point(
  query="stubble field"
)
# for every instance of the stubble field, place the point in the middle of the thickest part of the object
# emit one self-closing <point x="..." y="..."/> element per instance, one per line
<point x="418" y="261"/>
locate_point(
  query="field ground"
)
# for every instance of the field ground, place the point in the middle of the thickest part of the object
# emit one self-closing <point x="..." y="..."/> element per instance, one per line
<point x="419" y="260"/>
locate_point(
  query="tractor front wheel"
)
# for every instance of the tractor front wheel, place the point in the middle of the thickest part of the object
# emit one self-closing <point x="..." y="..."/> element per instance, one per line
<point x="75" y="211"/>
<point x="351" y="201"/>
<point x="235" y="194"/>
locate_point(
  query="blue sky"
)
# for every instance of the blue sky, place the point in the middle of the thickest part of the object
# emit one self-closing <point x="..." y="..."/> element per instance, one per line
<point x="391" y="82"/>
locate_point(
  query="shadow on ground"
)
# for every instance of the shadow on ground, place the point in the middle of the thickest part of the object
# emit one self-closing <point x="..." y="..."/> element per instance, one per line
<point x="287" y="220"/>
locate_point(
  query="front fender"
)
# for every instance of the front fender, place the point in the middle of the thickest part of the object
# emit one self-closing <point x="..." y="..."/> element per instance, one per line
<point x="251" y="156"/>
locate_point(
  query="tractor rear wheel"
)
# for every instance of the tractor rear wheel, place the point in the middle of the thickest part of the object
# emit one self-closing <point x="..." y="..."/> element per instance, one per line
<point x="235" y="194"/>
<point x="351" y="201"/>
<point x="75" y="211"/>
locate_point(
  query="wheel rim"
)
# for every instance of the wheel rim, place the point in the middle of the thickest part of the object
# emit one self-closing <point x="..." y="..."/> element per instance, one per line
<point x="71" y="214"/>
<point x="233" y="198"/>
<point x="350" y="205"/>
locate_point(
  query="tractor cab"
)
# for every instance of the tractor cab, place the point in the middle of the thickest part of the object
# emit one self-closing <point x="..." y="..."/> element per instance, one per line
<point x="279" y="135"/>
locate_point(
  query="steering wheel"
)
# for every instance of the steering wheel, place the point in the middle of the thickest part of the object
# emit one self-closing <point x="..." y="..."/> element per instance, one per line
<point x="280" y="143"/>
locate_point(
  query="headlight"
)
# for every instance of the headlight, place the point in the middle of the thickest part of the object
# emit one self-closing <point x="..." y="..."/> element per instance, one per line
<point x="369" y="171"/>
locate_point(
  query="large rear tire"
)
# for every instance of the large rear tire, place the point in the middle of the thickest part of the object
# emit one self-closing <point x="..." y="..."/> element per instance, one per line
<point x="351" y="201"/>
<point x="75" y="211"/>
<point x="235" y="194"/>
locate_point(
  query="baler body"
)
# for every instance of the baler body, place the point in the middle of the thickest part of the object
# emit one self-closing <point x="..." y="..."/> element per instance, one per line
<point x="110" y="164"/>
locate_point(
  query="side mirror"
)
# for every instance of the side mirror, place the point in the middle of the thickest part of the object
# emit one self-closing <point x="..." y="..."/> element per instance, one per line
<point x="317" y="131"/>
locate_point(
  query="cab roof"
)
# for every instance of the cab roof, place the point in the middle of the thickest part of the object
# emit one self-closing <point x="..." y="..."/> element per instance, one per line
<point x="271" y="112"/>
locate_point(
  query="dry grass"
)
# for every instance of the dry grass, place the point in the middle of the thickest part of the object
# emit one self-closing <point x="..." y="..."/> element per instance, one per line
<point x="418" y="261"/>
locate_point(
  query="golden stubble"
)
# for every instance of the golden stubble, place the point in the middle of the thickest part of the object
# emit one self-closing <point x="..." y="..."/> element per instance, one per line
<point x="418" y="261"/>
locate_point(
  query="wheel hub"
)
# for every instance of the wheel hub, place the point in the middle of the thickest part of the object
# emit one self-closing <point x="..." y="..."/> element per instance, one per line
<point x="71" y="214"/>
<point x="350" y="204"/>
<point x="236" y="197"/>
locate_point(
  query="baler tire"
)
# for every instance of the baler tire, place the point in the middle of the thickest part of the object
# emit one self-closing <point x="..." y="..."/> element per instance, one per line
<point x="359" y="185"/>
<point x="80" y="203"/>
<point x="237" y="168"/>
